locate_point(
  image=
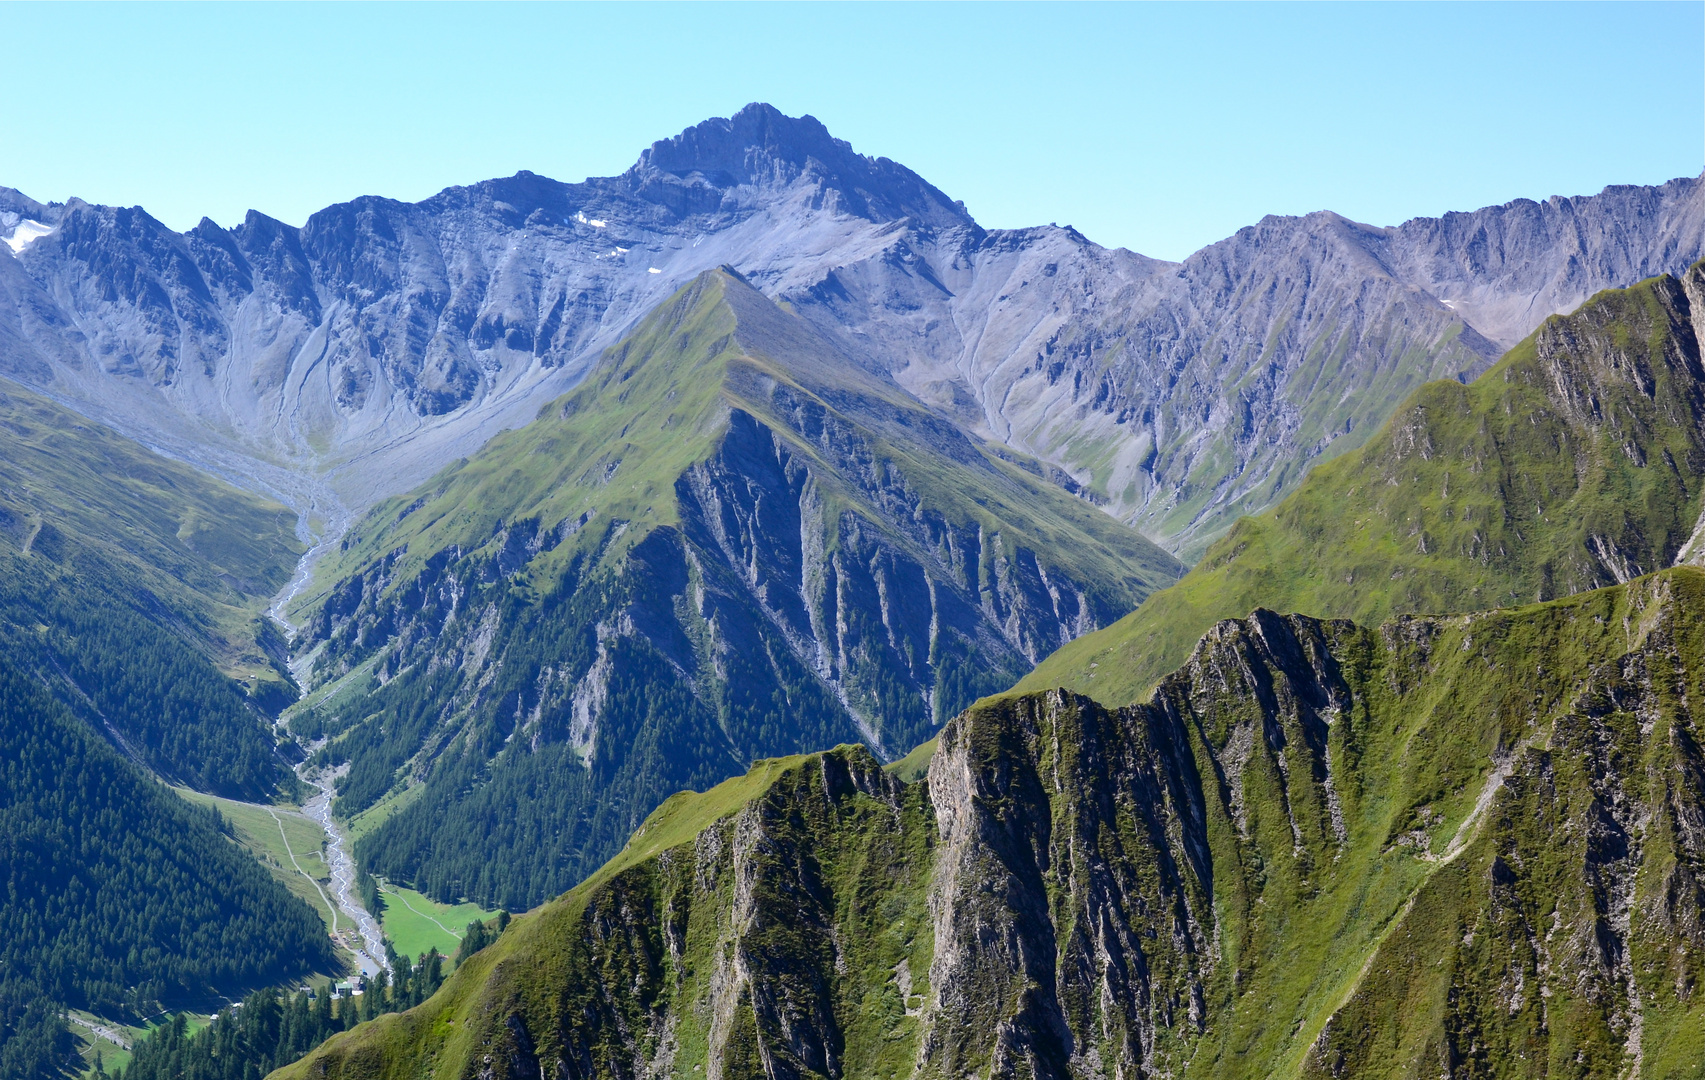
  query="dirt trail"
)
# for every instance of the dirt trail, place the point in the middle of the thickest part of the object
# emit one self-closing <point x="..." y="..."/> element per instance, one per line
<point x="457" y="934"/>
<point x="331" y="907"/>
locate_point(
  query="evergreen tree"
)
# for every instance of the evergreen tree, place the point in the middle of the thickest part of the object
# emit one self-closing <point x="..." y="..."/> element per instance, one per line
<point x="269" y="1031"/>
<point x="114" y="892"/>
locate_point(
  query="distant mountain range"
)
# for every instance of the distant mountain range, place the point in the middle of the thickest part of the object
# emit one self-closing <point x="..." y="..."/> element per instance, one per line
<point x="1463" y="844"/>
<point x="383" y="340"/>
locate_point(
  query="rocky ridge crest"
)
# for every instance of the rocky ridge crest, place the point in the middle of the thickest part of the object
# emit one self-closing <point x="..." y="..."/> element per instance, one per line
<point x="1445" y="845"/>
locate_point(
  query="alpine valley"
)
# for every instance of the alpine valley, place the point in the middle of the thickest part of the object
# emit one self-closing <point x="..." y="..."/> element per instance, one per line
<point x="864" y="644"/>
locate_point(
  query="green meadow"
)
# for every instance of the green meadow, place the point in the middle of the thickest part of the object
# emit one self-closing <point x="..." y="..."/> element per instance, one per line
<point x="415" y="924"/>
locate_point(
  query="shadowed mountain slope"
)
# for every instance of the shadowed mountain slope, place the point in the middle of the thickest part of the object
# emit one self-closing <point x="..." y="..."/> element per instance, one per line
<point x="1458" y="846"/>
<point x="730" y="542"/>
<point x="117" y="895"/>
<point x="209" y="554"/>
<point x="1578" y="461"/>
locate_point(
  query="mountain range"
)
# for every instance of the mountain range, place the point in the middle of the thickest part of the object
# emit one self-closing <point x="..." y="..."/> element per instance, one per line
<point x="729" y="542"/>
<point x="1296" y="686"/>
<point x="350" y="359"/>
<point x="1460" y="844"/>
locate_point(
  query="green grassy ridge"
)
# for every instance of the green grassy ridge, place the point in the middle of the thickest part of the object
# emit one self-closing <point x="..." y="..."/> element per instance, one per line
<point x="558" y="467"/>
<point x="1587" y="440"/>
<point x="535" y="960"/>
<point x="560" y="504"/>
<point x="209" y="555"/>
<point x="1321" y="849"/>
<point x="658" y="403"/>
<point x="724" y="502"/>
<point x="1492" y="964"/>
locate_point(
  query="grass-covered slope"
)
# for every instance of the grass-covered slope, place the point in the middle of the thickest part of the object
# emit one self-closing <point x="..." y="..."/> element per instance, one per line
<point x="1577" y="461"/>
<point x="1462" y="846"/>
<point x="132" y="586"/>
<point x="731" y="542"/>
<point x="206" y="556"/>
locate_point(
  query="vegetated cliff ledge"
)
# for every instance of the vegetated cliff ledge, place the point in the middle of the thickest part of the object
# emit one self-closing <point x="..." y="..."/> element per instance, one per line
<point x="1464" y="846"/>
<point x="731" y="542"/>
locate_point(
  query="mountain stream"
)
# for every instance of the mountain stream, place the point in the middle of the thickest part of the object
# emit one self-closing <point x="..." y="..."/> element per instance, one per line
<point x="367" y="942"/>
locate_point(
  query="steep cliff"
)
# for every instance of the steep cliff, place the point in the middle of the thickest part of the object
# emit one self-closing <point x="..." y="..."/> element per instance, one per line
<point x="730" y="542"/>
<point x="1464" y="846"/>
<point x="1578" y="461"/>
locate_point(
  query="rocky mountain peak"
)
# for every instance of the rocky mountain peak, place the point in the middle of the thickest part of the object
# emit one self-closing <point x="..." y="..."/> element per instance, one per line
<point x="762" y="147"/>
<point x="727" y="151"/>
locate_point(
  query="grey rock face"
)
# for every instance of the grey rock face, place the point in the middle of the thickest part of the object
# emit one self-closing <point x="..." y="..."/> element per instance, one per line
<point x="383" y="339"/>
<point x="1182" y="395"/>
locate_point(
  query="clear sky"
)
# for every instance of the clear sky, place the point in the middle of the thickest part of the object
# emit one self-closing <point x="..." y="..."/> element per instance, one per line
<point x="1155" y="127"/>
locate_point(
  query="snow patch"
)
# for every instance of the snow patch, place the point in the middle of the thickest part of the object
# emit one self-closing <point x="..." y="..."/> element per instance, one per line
<point x="26" y="232"/>
<point x="594" y="222"/>
<point x="654" y="270"/>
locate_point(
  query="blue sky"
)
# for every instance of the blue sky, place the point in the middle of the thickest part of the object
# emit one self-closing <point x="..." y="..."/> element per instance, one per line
<point x="1155" y="127"/>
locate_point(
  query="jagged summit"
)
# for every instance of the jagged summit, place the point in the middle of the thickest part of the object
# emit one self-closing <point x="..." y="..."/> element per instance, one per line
<point x="722" y="150"/>
<point x="762" y="147"/>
